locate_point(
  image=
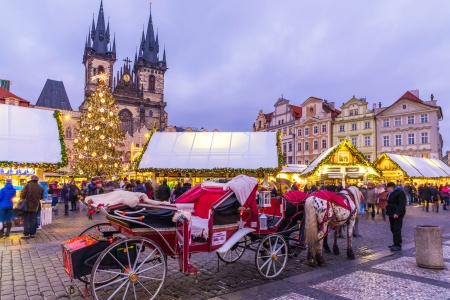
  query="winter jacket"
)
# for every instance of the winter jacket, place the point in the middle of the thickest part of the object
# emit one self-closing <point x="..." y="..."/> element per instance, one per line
<point x="140" y="188"/>
<point x="163" y="192"/>
<point x="444" y="192"/>
<point x="186" y="187"/>
<point x="55" y="190"/>
<point x="434" y="194"/>
<point x="371" y="196"/>
<point x="92" y="189"/>
<point x="425" y="193"/>
<point x="396" y="203"/>
<point x="33" y="193"/>
<point x="6" y="195"/>
<point x="65" y="192"/>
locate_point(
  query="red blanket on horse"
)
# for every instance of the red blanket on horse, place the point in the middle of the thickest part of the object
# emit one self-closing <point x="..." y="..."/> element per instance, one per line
<point x="296" y="198"/>
<point x="333" y="197"/>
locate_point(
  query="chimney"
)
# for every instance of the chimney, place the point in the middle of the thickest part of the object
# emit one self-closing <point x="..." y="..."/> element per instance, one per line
<point x="374" y="106"/>
<point x="415" y="93"/>
<point x="379" y="104"/>
<point x="432" y="97"/>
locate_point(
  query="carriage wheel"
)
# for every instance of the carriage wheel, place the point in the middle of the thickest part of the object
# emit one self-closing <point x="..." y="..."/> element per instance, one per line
<point x="271" y="255"/>
<point x="137" y="265"/>
<point x="235" y="252"/>
<point x="102" y="230"/>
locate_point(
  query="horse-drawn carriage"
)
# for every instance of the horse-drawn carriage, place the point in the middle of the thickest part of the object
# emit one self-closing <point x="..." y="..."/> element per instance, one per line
<point x="127" y="257"/>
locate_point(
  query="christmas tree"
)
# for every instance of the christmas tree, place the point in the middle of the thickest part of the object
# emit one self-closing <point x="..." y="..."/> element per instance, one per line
<point x="97" y="147"/>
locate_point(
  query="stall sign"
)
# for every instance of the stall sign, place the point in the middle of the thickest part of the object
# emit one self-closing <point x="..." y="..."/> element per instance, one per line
<point x="18" y="171"/>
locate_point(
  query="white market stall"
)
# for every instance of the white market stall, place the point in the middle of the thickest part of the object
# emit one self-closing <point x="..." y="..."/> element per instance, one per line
<point x="32" y="141"/>
<point x="401" y="168"/>
<point x="211" y="154"/>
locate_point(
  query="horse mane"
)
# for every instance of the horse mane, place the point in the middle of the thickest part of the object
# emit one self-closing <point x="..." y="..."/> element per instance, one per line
<point x="356" y="195"/>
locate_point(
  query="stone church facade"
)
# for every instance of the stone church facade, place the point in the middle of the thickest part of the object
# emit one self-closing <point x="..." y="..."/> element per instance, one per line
<point x="138" y="86"/>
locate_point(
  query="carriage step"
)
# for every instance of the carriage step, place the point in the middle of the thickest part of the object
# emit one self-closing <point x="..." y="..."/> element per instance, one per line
<point x="192" y="270"/>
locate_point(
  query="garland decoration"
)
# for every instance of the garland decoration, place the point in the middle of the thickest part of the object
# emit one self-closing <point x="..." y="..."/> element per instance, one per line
<point x="144" y="148"/>
<point x="64" y="161"/>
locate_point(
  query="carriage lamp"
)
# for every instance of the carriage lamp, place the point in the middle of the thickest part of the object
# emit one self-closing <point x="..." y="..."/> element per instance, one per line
<point x="263" y="221"/>
<point x="264" y="199"/>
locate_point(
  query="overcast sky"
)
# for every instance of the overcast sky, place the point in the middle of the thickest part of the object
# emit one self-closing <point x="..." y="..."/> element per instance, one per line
<point x="229" y="59"/>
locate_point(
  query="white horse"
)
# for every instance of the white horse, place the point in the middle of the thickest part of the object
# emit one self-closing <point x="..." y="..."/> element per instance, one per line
<point x="321" y="214"/>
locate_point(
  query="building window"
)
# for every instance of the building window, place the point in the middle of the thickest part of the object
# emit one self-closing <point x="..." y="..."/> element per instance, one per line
<point x="284" y="147"/>
<point x="324" y="144"/>
<point x="299" y="132"/>
<point x="410" y="119"/>
<point x="367" y="141"/>
<point x="341" y="128"/>
<point x="410" y="138"/>
<point x="259" y="124"/>
<point x="404" y="106"/>
<point x="354" y="141"/>
<point x="290" y="130"/>
<point x="290" y="160"/>
<point x="290" y="147"/>
<point x="282" y="121"/>
<point x="398" y="140"/>
<point x="353" y="112"/>
<point x="306" y="146"/>
<point x="306" y="131"/>
<point x="150" y="114"/>
<point x="367" y="157"/>
<point x="299" y="147"/>
<point x="299" y="162"/>
<point x="386" y="123"/>
<point x="306" y="161"/>
<point x="324" y="128"/>
<point x="424" y="118"/>
<point x="68" y="133"/>
<point x="284" y="131"/>
<point x="367" y="125"/>
<point x="424" y="136"/>
<point x="386" y="141"/>
<point x="354" y="127"/>
<point x="316" y="145"/>
<point x="341" y="140"/>
<point x="315" y="130"/>
<point x="424" y="155"/>
<point x="152" y="83"/>
<point x="101" y="69"/>
<point x="126" y="117"/>
<point x="398" y="121"/>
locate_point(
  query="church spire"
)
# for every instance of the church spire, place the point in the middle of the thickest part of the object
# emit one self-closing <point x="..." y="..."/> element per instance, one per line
<point x="114" y="44"/>
<point x="150" y="53"/>
<point x="100" y="36"/>
<point x="164" y="56"/>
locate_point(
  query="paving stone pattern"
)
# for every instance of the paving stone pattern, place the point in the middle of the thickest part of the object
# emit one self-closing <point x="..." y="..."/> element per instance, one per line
<point x="32" y="268"/>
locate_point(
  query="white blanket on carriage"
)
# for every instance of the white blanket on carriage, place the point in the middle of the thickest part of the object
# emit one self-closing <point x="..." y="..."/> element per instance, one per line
<point x="121" y="197"/>
<point x="242" y="186"/>
<point x="198" y="226"/>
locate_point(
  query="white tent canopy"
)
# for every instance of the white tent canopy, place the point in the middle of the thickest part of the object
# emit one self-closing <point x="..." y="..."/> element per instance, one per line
<point x="28" y="135"/>
<point x="293" y="168"/>
<point x="318" y="160"/>
<point x="420" y="167"/>
<point x="210" y="150"/>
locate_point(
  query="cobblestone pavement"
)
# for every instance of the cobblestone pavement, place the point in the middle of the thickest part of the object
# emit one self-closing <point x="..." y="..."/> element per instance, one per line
<point x="33" y="269"/>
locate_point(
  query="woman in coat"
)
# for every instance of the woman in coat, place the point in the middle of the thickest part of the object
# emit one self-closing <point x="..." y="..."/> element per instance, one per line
<point x="371" y="199"/>
<point x="6" y="205"/>
<point x="382" y="200"/>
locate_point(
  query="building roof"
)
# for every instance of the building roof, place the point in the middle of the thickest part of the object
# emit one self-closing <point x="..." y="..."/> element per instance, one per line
<point x="293" y="169"/>
<point x="296" y="111"/>
<point x="325" y="155"/>
<point x="268" y="117"/>
<point x="21" y="127"/>
<point x="211" y="151"/>
<point x="7" y="94"/>
<point x="54" y="95"/>
<point x="417" y="167"/>
<point x="410" y="96"/>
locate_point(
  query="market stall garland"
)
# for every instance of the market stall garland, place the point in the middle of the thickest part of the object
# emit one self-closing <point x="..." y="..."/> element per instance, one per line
<point x="144" y="148"/>
<point x="327" y="160"/>
<point x="40" y="165"/>
<point x="258" y="172"/>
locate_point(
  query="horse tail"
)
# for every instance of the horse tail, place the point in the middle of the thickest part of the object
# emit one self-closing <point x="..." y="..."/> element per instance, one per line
<point x="311" y="225"/>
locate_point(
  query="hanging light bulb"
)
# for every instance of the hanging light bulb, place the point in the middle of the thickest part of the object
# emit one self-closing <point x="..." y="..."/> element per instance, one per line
<point x="85" y="147"/>
<point x="102" y="100"/>
<point x="100" y="165"/>
<point x="89" y="115"/>
<point x="103" y="119"/>
<point x="94" y="154"/>
<point x="75" y="141"/>
<point x="102" y="109"/>
<point x="86" y="139"/>
<point x="80" y="156"/>
<point x="105" y="157"/>
<point x="115" y="165"/>
<point x="89" y="108"/>
<point x="97" y="127"/>
<point x="109" y="145"/>
<point x="81" y="172"/>
<point x="102" y="137"/>
<point x="110" y="113"/>
<point x="100" y="94"/>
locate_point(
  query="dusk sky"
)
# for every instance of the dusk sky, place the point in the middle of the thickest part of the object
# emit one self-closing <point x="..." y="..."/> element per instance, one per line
<point x="229" y="59"/>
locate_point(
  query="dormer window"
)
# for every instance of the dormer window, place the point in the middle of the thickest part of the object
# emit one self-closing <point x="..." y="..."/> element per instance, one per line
<point x="404" y="106"/>
<point x="311" y="109"/>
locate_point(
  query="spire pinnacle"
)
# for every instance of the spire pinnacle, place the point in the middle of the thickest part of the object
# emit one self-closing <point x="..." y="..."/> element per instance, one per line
<point x="114" y="44"/>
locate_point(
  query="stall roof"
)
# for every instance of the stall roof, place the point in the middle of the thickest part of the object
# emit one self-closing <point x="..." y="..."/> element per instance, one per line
<point x="209" y="151"/>
<point x="29" y="136"/>
<point x="311" y="167"/>
<point x="293" y="168"/>
<point x="419" y="167"/>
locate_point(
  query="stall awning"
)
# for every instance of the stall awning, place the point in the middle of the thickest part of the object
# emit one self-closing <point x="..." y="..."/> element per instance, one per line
<point x="417" y="167"/>
<point x="211" y="151"/>
<point x="28" y="136"/>
<point x="293" y="169"/>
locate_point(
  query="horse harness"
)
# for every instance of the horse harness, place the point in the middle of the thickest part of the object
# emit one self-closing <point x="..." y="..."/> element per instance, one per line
<point x="348" y="196"/>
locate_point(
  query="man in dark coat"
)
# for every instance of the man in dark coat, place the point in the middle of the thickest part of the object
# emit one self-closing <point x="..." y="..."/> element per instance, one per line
<point x="186" y="186"/>
<point x="164" y="191"/>
<point x="33" y="193"/>
<point x="426" y="194"/>
<point x="396" y="209"/>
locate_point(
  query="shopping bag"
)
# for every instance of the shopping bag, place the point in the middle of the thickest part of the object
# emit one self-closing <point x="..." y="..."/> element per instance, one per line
<point x="22" y="206"/>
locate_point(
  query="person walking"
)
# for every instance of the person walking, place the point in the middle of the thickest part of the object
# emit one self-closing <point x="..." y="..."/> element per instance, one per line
<point x="444" y="196"/>
<point x="163" y="191"/>
<point x="426" y="195"/>
<point x="149" y="189"/>
<point x="65" y="197"/>
<point x="177" y="191"/>
<point x="396" y="210"/>
<point x="382" y="200"/>
<point x="74" y="191"/>
<point x="435" y="198"/>
<point x="140" y="188"/>
<point x="7" y="193"/>
<point x="32" y="192"/>
<point x="187" y="186"/>
<point x="408" y="192"/>
<point x="371" y="199"/>
<point x="55" y="192"/>
<point x="92" y="188"/>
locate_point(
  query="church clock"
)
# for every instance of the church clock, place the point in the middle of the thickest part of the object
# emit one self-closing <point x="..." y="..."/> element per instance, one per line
<point x="126" y="77"/>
